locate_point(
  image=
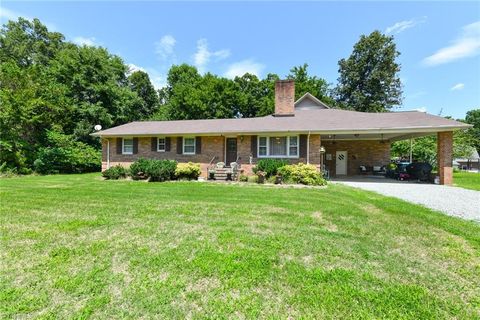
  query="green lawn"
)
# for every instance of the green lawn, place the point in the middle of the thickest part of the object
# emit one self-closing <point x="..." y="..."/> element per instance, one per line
<point x="467" y="180"/>
<point x="79" y="247"/>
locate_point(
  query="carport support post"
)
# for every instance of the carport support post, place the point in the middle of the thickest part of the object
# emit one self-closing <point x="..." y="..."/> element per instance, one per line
<point x="444" y="157"/>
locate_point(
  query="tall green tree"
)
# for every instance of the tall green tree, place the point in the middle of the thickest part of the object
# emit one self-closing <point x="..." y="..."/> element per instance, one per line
<point x="473" y="118"/>
<point x="189" y="95"/>
<point x="50" y="85"/>
<point x="98" y="89"/>
<point x="369" y="79"/>
<point x="307" y="83"/>
<point x="140" y="83"/>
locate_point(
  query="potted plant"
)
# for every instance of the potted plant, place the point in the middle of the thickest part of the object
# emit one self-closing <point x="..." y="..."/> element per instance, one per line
<point x="278" y="179"/>
<point x="261" y="177"/>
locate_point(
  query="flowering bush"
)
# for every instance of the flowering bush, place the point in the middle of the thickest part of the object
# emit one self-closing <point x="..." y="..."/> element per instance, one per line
<point x="302" y="173"/>
<point x="189" y="171"/>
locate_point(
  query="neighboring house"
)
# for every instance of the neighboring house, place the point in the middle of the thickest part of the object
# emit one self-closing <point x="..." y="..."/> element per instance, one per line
<point x="295" y="132"/>
<point x="470" y="163"/>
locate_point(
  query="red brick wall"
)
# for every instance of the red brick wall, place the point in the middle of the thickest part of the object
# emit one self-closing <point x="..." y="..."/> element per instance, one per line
<point x="284" y="97"/>
<point x="244" y="151"/>
<point x="359" y="153"/>
<point x="444" y="157"/>
<point x="211" y="146"/>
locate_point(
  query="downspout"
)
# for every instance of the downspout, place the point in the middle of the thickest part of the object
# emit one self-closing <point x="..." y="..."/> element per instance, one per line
<point x="108" y="153"/>
<point x="308" y="148"/>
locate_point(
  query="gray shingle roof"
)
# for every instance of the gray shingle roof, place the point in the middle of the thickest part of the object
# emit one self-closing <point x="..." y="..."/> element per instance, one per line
<point x="327" y="121"/>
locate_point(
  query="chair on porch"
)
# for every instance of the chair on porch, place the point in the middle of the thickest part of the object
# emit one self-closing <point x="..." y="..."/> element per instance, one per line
<point x="232" y="171"/>
<point x="363" y="170"/>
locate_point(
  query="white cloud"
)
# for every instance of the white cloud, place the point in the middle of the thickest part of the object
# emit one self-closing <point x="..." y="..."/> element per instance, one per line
<point x="203" y="55"/>
<point x="84" y="41"/>
<point x="404" y="25"/>
<point x="458" y="86"/>
<point x="133" y="68"/>
<point x="242" y="67"/>
<point x="7" y="14"/>
<point x="158" y="79"/>
<point x="165" y="48"/>
<point x="466" y="45"/>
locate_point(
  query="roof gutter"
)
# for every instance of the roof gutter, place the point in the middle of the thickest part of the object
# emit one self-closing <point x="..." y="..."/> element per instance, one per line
<point x="336" y="131"/>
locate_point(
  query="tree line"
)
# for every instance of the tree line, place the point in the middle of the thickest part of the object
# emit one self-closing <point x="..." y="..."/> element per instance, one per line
<point x="53" y="92"/>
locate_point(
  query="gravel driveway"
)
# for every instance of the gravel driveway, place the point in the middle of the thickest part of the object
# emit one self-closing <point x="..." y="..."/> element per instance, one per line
<point x="454" y="201"/>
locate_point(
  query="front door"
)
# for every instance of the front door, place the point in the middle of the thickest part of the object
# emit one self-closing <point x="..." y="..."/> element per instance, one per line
<point x="341" y="163"/>
<point x="231" y="152"/>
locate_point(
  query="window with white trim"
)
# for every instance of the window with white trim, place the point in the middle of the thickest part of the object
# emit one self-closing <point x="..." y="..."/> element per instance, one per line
<point x="278" y="147"/>
<point x="161" y="144"/>
<point x="262" y="146"/>
<point x="293" y="146"/>
<point x="188" y="145"/>
<point x="127" y="146"/>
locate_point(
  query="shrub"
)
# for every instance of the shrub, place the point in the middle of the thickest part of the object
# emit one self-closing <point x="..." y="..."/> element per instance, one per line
<point x="243" y="178"/>
<point x="189" y="171"/>
<point x="138" y="169"/>
<point x="253" y="179"/>
<point x="269" y="166"/>
<point x="115" y="173"/>
<point x="272" y="179"/>
<point x="7" y="172"/>
<point x="302" y="173"/>
<point x="161" y="170"/>
<point x="66" y="155"/>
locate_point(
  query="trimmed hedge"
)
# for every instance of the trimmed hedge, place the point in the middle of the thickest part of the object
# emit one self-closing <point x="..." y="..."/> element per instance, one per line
<point x="138" y="169"/>
<point x="115" y="173"/>
<point x="188" y="171"/>
<point x="269" y="166"/>
<point x="161" y="170"/>
<point x="303" y="174"/>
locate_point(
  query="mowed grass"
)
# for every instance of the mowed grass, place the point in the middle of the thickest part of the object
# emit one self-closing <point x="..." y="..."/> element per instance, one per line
<point x="79" y="247"/>
<point x="467" y="180"/>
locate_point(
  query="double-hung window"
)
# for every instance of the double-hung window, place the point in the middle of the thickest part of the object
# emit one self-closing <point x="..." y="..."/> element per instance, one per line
<point x="188" y="145"/>
<point x="262" y="146"/>
<point x="278" y="147"/>
<point x="161" y="144"/>
<point x="127" y="146"/>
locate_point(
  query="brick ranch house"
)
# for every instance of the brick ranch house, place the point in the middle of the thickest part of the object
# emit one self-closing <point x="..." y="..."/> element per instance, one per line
<point x="295" y="132"/>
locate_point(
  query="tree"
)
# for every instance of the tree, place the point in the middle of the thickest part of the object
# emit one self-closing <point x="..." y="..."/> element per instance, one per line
<point x="305" y="83"/>
<point x="49" y="85"/>
<point x="425" y="148"/>
<point x="28" y="43"/>
<point x="189" y="95"/>
<point x="369" y="80"/>
<point x="98" y="89"/>
<point x="139" y="82"/>
<point x="473" y="117"/>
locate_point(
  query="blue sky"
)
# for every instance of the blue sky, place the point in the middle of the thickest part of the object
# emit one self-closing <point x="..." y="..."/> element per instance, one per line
<point x="439" y="42"/>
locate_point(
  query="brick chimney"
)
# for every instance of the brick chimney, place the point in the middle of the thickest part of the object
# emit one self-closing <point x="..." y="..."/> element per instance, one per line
<point x="284" y="98"/>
